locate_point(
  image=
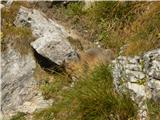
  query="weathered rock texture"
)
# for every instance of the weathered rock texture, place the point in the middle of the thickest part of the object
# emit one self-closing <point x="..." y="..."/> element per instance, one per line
<point x="52" y="38"/>
<point x="19" y="88"/>
<point x="140" y="76"/>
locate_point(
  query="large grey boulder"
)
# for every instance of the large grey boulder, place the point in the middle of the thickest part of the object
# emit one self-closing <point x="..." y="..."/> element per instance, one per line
<point x="140" y="75"/>
<point x="18" y="87"/>
<point x="51" y="40"/>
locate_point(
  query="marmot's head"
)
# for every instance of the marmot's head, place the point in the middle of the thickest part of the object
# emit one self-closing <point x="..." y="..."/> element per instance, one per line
<point x="110" y="54"/>
<point x="71" y="61"/>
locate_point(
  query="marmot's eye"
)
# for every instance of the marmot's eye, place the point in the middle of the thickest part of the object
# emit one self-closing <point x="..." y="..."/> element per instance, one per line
<point x="29" y="19"/>
<point x="69" y="55"/>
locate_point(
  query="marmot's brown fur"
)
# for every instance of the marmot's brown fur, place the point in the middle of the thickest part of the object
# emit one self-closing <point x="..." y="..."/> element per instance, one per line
<point x="88" y="60"/>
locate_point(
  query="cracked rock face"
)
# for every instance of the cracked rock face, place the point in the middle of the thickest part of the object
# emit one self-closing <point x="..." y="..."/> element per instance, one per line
<point x="140" y="76"/>
<point x="19" y="88"/>
<point x="52" y="38"/>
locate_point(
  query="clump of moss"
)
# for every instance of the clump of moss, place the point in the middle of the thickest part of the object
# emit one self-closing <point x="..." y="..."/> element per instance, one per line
<point x="74" y="9"/>
<point x="19" y="116"/>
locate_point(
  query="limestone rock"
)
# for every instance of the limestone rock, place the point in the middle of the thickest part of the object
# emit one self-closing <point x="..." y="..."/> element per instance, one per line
<point x="152" y="63"/>
<point x="18" y="84"/>
<point x="9" y="2"/>
<point x="52" y="38"/>
<point x="140" y="75"/>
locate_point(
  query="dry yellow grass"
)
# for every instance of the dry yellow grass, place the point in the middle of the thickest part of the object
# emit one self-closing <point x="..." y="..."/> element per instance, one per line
<point x="115" y="24"/>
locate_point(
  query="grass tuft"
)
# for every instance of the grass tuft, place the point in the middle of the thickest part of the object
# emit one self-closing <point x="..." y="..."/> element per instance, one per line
<point x="19" y="116"/>
<point x="92" y="98"/>
<point x="154" y="110"/>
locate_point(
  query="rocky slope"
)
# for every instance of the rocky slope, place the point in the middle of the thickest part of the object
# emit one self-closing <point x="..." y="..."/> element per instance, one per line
<point x="139" y="75"/>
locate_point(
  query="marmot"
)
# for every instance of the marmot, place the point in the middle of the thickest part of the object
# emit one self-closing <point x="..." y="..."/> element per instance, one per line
<point x="85" y="61"/>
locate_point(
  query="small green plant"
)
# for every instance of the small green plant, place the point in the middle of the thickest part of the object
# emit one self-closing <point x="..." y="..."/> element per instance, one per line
<point x="76" y="43"/>
<point x="154" y="110"/>
<point x="19" y="116"/>
<point x="46" y="114"/>
<point x="51" y="89"/>
<point x="74" y="8"/>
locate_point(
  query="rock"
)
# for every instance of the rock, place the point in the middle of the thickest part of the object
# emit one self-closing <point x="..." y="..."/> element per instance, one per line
<point x="134" y="60"/>
<point x="133" y="67"/>
<point x="152" y="64"/>
<point x="137" y="74"/>
<point x="9" y="2"/>
<point x="52" y="38"/>
<point x="1" y="6"/>
<point x="88" y="4"/>
<point x="19" y="88"/>
<point x="37" y="103"/>
<point x="6" y="3"/>
<point x="140" y="76"/>
<point x="138" y="89"/>
<point x="154" y="86"/>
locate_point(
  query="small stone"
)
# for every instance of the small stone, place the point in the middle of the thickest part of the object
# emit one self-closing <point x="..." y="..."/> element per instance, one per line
<point x="99" y="46"/>
<point x="1" y="6"/>
<point x="133" y="67"/>
<point x="138" y="89"/>
<point x="134" y="60"/>
<point x="137" y="74"/>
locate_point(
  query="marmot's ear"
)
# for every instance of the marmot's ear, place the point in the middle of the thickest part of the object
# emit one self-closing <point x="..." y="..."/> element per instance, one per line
<point x="63" y="63"/>
<point x="78" y="55"/>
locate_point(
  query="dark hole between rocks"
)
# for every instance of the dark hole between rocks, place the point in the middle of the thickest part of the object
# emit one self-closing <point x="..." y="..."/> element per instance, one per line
<point x="47" y="64"/>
